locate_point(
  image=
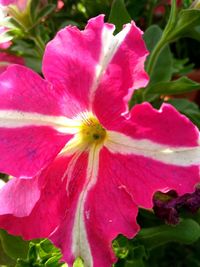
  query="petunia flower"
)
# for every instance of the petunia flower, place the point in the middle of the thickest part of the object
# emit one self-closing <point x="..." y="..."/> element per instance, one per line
<point x="20" y="4"/>
<point x="83" y="162"/>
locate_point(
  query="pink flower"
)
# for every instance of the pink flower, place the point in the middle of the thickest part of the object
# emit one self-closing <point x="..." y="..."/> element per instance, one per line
<point x="84" y="164"/>
<point x="21" y="4"/>
<point x="160" y="8"/>
<point x="8" y="59"/>
<point x="60" y="4"/>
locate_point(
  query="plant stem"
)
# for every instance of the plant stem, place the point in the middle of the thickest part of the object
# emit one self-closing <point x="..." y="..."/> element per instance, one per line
<point x="165" y="39"/>
<point x="39" y="44"/>
<point x="154" y="55"/>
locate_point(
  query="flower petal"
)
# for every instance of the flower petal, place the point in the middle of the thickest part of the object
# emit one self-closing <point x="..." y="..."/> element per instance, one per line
<point x="94" y="69"/>
<point x="99" y="209"/>
<point x="122" y="74"/>
<point x="30" y="122"/>
<point x="164" y="126"/>
<point x="160" y="151"/>
<point x="7" y="59"/>
<point x="39" y="202"/>
<point x="18" y="197"/>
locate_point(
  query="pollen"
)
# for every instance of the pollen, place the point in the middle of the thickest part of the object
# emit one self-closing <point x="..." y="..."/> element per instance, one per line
<point x="91" y="131"/>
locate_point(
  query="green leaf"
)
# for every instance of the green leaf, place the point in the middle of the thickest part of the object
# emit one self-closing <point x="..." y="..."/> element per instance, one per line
<point x="34" y="8"/>
<point x="194" y="33"/>
<point x="179" y="86"/>
<point x="119" y="14"/>
<point x="9" y="23"/>
<point x="188" y="108"/>
<point x="186" y="232"/>
<point x="14" y="246"/>
<point x="4" y="258"/>
<point x="183" y="104"/>
<point x="53" y="262"/>
<point x="188" y="19"/>
<point x="159" y="73"/>
<point x="120" y="247"/>
<point x="6" y="36"/>
<point x="45" y="11"/>
<point x="47" y="246"/>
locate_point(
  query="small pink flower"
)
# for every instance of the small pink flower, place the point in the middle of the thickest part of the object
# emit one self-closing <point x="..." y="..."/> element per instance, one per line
<point x="60" y="4"/>
<point x="84" y="163"/>
<point x="160" y="8"/>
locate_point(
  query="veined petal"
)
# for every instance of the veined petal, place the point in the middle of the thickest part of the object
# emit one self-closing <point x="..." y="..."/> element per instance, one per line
<point x="99" y="209"/>
<point x="70" y="62"/>
<point x="39" y="202"/>
<point x="121" y="74"/>
<point x="164" y="126"/>
<point x="18" y="197"/>
<point x="182" y="156"/>
<point x="142" y="176"/>
<point x="33" y="129"/>
<point x="21" y="89"/>
<point x="160" y="151"/>
<point x="95" y="69"/>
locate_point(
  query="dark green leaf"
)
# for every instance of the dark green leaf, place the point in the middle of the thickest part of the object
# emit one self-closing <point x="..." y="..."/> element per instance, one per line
<point x="190" y="109"/>
<point x="183" y="104"/>
<point x="182" y="66"/>
<point x="45" y="11"/>
<point x="119" y="14"/>
<point x="187" y="232"/>
<point x="53" y="262"/>
<point x="187" y="21"/>
<point x="181" y="85"/>
<point x="160" y="72"/>
<point x="14" y="246"/>
<point x="4" y="258"/>
<point x="34" y="8"/>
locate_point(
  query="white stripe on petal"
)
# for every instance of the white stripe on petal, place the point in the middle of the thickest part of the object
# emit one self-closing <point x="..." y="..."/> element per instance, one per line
<point x="181" y="156"/>
<point x="110" y="45"/>
<point x="14" y="119"/>
<point x="81" y="247"/>
<point x="2" y="183"/>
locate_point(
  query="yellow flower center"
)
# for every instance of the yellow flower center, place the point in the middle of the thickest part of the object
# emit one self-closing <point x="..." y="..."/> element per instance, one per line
<point x="91" y="131"/>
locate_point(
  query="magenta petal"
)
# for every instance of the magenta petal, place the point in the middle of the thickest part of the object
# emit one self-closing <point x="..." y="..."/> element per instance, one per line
<point x="26" y="150"/>
<point x="95" y="70"/>
<point x="21" y="4"/>
<point x="124" y="73"/>
<point x="70" y="60"/>
<point x="26" y="144"/>
<point x="41" y="201"/>
<point x="19" y="196"/>
<point x="108" y="210"/>
<point x="142" y="176"/>
<point x="154" y="150"/>
<point x="24" y="90"/>
<point x="7" y="59"/>
<point x="165" y="126"/>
